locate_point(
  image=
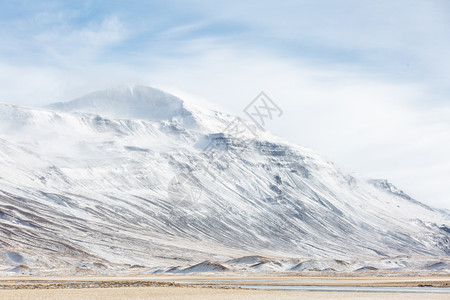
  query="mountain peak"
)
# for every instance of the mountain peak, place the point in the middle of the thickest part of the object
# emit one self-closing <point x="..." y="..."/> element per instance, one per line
<point x="189" y="194"/>
<point x="127" y="102"/>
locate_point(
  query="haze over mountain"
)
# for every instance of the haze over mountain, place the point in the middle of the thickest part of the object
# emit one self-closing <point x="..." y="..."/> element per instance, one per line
<point x="128" y="177"/>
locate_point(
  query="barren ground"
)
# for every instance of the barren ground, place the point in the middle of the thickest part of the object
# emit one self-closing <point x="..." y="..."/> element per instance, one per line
<point x="183" y="287"/>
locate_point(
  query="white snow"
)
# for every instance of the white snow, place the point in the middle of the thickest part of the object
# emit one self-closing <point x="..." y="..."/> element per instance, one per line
<point x="92" y="178"/>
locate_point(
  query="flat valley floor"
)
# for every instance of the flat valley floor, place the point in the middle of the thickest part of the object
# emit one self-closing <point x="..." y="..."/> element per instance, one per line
<point x="219" y="287"/>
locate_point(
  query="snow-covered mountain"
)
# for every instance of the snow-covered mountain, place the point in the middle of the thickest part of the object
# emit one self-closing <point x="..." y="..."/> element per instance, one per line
<point x="135" y="177"/>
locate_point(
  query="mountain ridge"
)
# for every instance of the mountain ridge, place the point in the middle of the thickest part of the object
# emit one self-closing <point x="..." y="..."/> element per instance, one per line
<point x="104" y="188"/>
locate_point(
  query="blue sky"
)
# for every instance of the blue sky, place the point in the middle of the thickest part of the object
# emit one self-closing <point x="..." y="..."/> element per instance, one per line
<point x="365" y="83"/>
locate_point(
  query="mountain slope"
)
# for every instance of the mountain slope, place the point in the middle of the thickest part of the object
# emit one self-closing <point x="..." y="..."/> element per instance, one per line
<point x="126" y="177"/>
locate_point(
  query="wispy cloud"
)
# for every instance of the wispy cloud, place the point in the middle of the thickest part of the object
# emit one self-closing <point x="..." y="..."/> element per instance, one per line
<point x="71" y="47"/>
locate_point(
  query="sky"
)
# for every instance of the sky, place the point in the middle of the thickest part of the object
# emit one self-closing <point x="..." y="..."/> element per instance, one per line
<point x="364" y="83"/>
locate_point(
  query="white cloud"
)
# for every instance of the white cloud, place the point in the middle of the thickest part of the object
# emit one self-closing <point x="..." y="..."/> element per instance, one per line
<point x="72" y="46"/>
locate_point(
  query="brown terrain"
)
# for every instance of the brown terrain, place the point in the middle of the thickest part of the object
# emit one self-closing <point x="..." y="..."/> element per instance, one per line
<point x="207" y="287"/>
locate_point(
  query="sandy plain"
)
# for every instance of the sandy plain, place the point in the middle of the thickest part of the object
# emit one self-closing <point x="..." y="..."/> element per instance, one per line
<point x="207" y="287"/>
